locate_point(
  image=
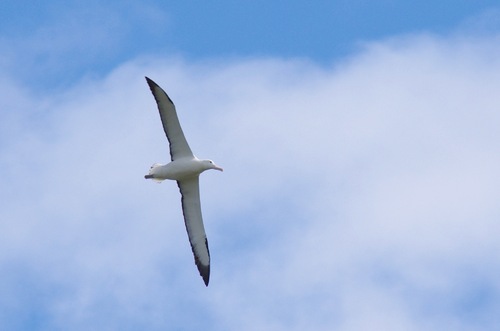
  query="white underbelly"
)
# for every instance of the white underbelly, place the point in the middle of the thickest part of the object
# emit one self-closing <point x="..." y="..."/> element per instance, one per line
<point x="176" y="170"/>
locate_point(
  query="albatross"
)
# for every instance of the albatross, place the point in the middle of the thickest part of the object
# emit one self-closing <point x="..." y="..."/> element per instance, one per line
<point x="185" y="168"/>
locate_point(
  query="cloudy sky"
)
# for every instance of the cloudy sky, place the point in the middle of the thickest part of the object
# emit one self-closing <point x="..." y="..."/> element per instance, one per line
<point x="360" y="142"/>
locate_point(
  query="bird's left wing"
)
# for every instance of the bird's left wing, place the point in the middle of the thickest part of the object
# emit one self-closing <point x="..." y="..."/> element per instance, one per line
<point x="191" y="208"/>
<point x="178" y="144"/>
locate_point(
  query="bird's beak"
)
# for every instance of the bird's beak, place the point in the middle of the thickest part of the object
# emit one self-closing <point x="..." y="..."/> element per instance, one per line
<point x="218" y="168"/>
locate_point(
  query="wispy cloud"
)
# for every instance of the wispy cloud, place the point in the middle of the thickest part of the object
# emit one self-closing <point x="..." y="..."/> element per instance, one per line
<point x="357" y="197"/>
<point x="75" y="39"/>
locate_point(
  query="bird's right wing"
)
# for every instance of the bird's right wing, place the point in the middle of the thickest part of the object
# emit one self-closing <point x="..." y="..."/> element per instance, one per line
<point x="178" y="145"/>
<point x="191" y="208"/>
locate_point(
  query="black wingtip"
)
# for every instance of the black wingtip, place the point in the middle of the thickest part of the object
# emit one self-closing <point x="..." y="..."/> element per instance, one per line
<point x="153" y="86"/>
<point x="205" y="273"/>
<point x="202" y="268"/>
<point x="151" y="83"/>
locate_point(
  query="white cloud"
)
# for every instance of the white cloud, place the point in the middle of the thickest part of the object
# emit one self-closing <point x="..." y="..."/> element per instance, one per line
<point x="353" y="198"/>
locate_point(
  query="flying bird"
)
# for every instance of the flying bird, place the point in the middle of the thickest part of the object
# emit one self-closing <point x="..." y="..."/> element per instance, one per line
<point x="185" y="168"/>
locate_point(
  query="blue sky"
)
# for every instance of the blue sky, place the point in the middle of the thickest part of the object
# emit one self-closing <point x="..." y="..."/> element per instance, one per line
<point x="77" y="38"/>
<point x="360" y="148"/>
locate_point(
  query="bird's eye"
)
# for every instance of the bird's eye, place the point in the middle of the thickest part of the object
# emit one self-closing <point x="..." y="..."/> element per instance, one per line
<point x="210" y="161"/>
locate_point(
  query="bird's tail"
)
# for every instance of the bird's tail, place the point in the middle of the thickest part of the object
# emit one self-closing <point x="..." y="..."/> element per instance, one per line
<point x="151" y="174"/>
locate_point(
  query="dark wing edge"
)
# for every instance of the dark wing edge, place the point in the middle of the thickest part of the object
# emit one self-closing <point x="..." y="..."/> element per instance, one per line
<point x="203" y="269"/>
<point x="193" y="221"/>
<point x="171" y="126"/>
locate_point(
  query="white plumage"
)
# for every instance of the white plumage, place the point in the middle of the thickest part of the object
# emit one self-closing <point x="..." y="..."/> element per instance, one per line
<point x="185" y="168"/>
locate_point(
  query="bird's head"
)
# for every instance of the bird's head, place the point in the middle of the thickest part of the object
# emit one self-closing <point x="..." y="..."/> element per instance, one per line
<point x="209" y="164"/>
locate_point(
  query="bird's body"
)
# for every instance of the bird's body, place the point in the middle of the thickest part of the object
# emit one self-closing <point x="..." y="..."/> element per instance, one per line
<point x="184" y="168"/>
<point x="180" y="169"/>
